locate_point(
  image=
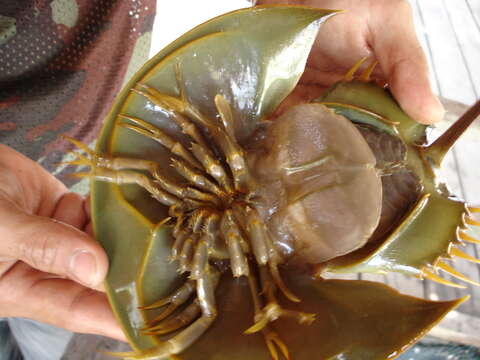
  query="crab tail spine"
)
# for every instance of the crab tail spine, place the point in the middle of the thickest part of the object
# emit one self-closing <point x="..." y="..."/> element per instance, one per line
<point x="450" y="270"/>
<point x="473" y="209"/>
<point x="427" y="274"/>
<point x="437" y="150"/>
<point x="365" y="75"/>
<point x="459" y="253"/>
<point x="350" y="75"/>
<point x="468" y="238"/>
<point x="470" y="221"/>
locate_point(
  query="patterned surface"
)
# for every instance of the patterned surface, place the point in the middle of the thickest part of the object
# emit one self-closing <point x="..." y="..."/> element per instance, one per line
<point x="62" y="62"/>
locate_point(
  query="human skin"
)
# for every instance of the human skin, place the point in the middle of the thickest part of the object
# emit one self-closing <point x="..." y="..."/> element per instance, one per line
<point x="50" y="269"/>
<point x="42" y="225"/>
<point x="377" y="29"/>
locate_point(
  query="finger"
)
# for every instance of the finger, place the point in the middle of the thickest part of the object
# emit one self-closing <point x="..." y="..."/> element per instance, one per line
<point x="88" y="228"/>
<point x="88" y="210"/>
<point x="405" y="66"/>
<point x="70" y="210"/>
<point x="27" y="184"/>
<point x="51" y="246"/>
<point x="56" y="301"/>
<point x="88" y="207"/>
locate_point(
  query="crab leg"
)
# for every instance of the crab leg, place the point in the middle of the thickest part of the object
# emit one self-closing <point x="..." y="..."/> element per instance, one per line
<point x="130" y="177"/>
<point x="263" y="247"/>
<point x="179" y="106"/>
<point x="206" y="286"/>
<point x="225" y="111"/>
<point x="203" y="153"/>
<point x="103" y="163"/>
<point x="186" y="125"/>
<point x="200" y="260"/>
<point x="233" y="152"/>
<point x="185" y="318"/>
<point x="175" y="300"/>
<point x="271" y="337"/>
<point x="195" y="194"/>
<point x="237" y="247"/>
<point x="186" y="255"/>
<point x="159" y="136"/>
<point x="272" y="311"/>
<point x="216" y="248"/>
<point x="196" y="178"/>
<point x="212" y="166"/>
<point x="197" y="219"/>
<point x="191" y="130"/>
<point x="121" y="163"/>
<point x="257" y="232"/>
<point x="178" y="243"/>
<point x="113" y="163"/>
<point x="178" y="224"/>
<point x="277" y="278"/>
<point x="212" y="223"/>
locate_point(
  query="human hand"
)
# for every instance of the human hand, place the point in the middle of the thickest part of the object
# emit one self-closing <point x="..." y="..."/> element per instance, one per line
<point x="50" y="270"/>
<point x="380" y="29"/>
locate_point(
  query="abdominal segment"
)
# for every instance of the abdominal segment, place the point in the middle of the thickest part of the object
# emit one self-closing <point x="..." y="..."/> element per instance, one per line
<point x="320" y="190"/>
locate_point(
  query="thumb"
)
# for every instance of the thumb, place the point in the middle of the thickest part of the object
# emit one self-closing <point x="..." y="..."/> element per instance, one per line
<point x="405" y="66"/>
<point x="51" y="246"/>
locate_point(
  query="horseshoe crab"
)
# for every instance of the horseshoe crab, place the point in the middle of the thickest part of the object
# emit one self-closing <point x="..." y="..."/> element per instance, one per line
<point x="215" y="219"/>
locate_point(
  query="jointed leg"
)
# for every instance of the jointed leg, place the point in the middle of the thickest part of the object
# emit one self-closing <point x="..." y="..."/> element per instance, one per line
<point x="271" y="337"/>
<point x="264" y="250"/>
<point x="200" y="260"/>
<point x="212" y="166"/>
<point x="131" y="177"/>
<point x="196" y="178"/>
<point x="272" y="311"/>
<point x="236" y="245"/>
<point x="114" y="169"/>
<point x="224" y="138"/>
<point x="186" y="255"/>
<point x="178" y="298"/>
<point x="186" y="317"/>
<point x="148" y="130"/>
<point x="206" y="298"/>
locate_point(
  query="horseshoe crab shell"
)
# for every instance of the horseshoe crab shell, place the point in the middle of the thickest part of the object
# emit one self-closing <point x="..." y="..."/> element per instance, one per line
<point x="254" y="58"/>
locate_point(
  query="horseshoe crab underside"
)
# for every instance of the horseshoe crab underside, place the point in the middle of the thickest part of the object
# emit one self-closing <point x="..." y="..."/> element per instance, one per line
<point x="219" y="221"/>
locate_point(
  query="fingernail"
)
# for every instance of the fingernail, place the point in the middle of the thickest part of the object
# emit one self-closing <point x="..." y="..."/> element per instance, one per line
<point x="83" y="268"/>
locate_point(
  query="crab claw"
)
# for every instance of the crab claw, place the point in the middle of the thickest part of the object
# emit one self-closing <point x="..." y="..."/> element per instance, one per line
<point x="273" y="342"/>
<point x="273" y="311"/>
